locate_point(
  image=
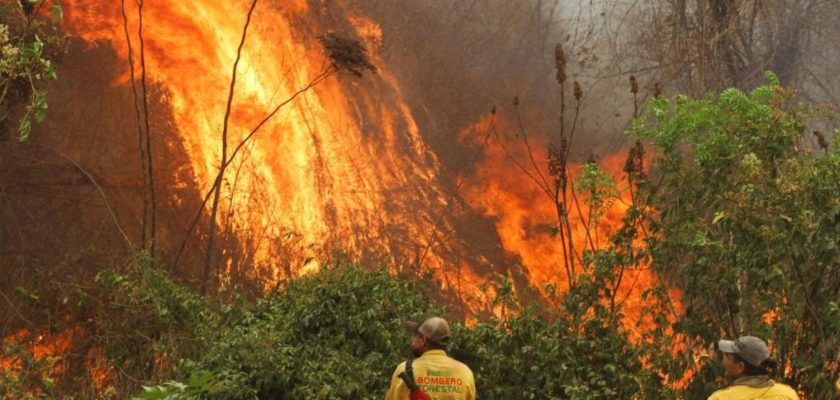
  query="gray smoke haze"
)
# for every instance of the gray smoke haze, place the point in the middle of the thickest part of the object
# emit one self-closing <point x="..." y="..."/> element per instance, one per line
<point x="458" y="58"/>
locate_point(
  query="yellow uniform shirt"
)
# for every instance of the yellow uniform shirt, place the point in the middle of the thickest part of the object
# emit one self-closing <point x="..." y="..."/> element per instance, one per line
<point x="441" y="377"/>
<point x="777" y="391"/>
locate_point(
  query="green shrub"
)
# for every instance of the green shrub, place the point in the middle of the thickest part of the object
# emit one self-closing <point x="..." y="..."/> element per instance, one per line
<point x="27" y="43"/>
<point x="336" y="334"/>
<point x="527" y="357"/>
<point x="748" y="227"/>
<point x="735" y="213"/>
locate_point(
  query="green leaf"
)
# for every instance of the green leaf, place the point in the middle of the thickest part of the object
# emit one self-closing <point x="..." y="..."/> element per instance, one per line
<point x="57" y="11"/>
<point x="24" y="129"/>
<point x="719" y="215"/>
<point x="26" y="294"/>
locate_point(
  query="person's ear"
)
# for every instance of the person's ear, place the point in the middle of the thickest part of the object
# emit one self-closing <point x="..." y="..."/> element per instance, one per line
<point x="741" y="367"/>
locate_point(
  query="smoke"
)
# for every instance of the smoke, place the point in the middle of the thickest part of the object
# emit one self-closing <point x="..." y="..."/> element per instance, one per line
<point x="456" y="59"/>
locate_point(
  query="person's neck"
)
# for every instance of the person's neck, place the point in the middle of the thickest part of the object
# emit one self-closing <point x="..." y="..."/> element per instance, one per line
<point x="754" y="381"/>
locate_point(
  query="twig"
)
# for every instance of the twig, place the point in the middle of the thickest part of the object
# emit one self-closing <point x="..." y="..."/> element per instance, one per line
<point x="143" y="168"/>
<point x="528" y="145"/>
<point x="12" y="305"/>
<point x="149" y="158"/>
<point x="217" y="180"/>
<point x="101" y="192"/>
<point x="208" y="260"/>
<point x="518" y="165"/>
<point x="586" y="224"/>
<point x="566" y="264"/>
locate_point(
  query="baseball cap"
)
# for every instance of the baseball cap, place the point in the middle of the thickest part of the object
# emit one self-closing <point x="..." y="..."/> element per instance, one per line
<point x="435" y="329"/>
<point x="752" y="349"/>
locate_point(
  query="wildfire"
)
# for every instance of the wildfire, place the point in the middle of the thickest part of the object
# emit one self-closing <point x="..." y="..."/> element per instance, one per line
<point x="341" y="164"/>
<point x="49" y="349"/>
<point x="345" y="164"/>
<point x="101" y="372"/>
<point x="44" y="354"/>
<point x="526" y="217"/>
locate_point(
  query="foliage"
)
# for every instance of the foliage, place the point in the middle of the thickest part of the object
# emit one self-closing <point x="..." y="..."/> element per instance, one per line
<point x="25" y="62"/>
<point x="22" y="376"/>
<point x="338" y="334"/>
<point x="600" y="189"/>
<point x="530" y="356"/>
<point x="144" y="322"/>
<point x="736" y="213"/>
<point x="728" y="192"/>
<point x="197" y="386"/>
<point x="748" y="228"/>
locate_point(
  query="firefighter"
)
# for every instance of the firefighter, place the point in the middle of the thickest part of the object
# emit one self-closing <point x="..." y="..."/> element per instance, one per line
<point x="747" y="362"/>
<point x="431" y="374"/>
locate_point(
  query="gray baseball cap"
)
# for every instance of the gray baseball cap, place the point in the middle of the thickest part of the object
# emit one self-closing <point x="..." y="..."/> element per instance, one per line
<point x="752" y="349"/>
<point x="435" y="329"/>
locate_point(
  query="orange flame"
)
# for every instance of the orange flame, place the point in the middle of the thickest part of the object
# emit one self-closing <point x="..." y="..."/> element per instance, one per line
<point x="101" y="372"/>
<point x="334" y="166"/>
<point x="56" y="346"/>
<point x="526" y="216"/>
<point x="341" y="164"/>
<point x="40" y="346"/>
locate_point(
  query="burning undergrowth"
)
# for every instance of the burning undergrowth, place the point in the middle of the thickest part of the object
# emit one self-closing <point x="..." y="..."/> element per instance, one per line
<point x="326" y="163"/>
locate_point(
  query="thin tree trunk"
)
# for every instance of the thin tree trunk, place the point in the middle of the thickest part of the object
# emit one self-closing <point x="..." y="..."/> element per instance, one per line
<point x="141" y="147"/>
<point x="217" y="180"/>
<point x="149" y="173"/>
<point x="209" y="257"/>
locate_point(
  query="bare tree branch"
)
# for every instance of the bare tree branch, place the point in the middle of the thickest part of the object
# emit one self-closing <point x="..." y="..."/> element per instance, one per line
<point x="209" y="257"/>
<point x="140" y="136"/>
<point x="217" y="181"/>
<point x="149" y="158"/>
<point x="128" y="242"/>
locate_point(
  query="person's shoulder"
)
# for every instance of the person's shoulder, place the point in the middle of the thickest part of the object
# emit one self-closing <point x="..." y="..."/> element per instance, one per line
<point x="400" y="368"/>
<point x="723" y="394"/>
<point x="785" y="390"/>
